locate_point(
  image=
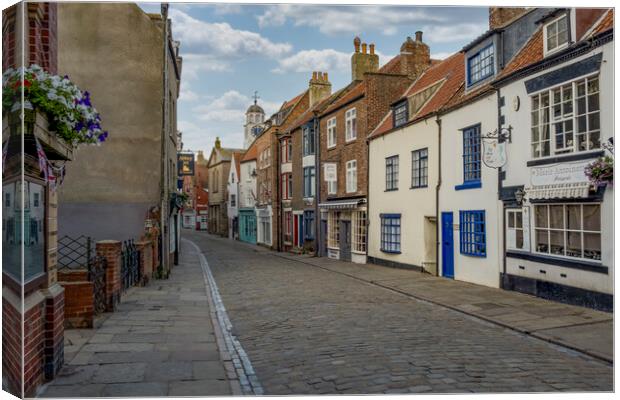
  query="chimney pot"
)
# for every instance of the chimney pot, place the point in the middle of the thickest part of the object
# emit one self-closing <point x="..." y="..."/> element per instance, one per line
<point x="364" y="48"/>
<point x="418" y="36"/>
<point x="356" y="44"/>
<point x="320" y="76"/>
<point x="372" y="48"/>
<point x="314" y="75"/>
<point x="325" y="77"/>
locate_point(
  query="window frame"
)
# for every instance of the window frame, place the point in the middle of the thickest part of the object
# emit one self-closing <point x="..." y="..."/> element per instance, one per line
<point x="515" y="228"/>
<point x="309" y="224"/>
<point x="286" y="185"/>
<point x="331" y="131"/>
<point x="351" y="176"/>
<point x="419" y="169"/>
<point x="332" y="183"/>
<point x="309" y="142"/>
<point x="333" y="230"/>
<point x="549" y="124"/>
<point x="566" y="231"/>
<point x="391" y="233"/>
<point x="547" y="50"/>
<point x="309" y="177"/>
<point x="474" y="159"/>
<point x="471" y="58"/>
<point x="400" y="107"/>
<point x="350" y="117"/>
<point x="286" y="149"/>
<point x="359" y="231"/>
<point x="391" y="173"/>
<point x="472" y="242"/>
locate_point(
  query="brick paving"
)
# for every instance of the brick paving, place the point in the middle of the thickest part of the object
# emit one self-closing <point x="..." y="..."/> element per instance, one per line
<point x="308" y="330"/>
<point x="160" y="342"/>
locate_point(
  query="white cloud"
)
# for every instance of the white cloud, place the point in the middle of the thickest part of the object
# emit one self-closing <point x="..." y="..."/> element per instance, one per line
<point x="227" y="8"/>
<point x="195" y="64"/>
<point x="222" y="41"/>
<point x="198" y="137"/>
<point x="231" y="107"/>
<point x="346" y="19"/>
<point x="315" y="60"/>
<point x="441" y="55"/>
<point x="454" y="32"/>
<point x="188" y="95"/>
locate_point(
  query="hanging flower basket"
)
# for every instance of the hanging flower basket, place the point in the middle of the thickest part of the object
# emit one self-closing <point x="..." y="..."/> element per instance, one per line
<point x="69" y="111"/>
<point x="601" y="172"/>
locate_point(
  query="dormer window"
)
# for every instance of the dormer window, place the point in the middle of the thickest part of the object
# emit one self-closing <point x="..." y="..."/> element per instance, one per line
<point x="400" y="114"/>
<point x="480" y="65"/>
<point x="556" y="34"/>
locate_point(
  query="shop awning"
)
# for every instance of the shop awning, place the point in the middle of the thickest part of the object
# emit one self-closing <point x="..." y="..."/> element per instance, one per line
<point x="559" y="191"/>
<point x="342" y="204"/>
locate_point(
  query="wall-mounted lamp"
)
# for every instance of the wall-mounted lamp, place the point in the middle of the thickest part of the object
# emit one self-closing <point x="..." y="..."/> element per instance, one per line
<point x="519" y="195"/>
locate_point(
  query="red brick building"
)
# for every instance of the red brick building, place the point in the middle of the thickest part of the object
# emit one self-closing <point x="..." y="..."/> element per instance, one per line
<point x="343" y="130"/>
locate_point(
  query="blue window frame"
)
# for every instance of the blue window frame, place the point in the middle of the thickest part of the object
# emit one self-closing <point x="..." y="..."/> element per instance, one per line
<point x="390" y="233"/>
<point x="309" y="225"/>
<point x="309" y="181"/>
<point x="391" y="173"/>
<point x="472" y="229"/>
<point x="308" y="140"/>
<point x="400" y="114"/>
<point x="480" y="65"/>
<point x="471" y="158"/>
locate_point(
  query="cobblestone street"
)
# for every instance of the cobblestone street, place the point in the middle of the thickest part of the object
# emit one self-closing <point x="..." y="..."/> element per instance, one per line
<point x="307" y="330"/>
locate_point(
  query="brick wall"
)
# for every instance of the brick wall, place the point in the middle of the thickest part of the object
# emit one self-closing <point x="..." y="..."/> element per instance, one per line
<point x="11" y="345"/>
<point x="499" y="16"/>
<point x="54" y="331"/>
<point x="79" y="299"/>
<point x="146" y="260"/>
<point x="34" y="341"/>
<point x="381" y="91"/>
<point x="111" y="251"/>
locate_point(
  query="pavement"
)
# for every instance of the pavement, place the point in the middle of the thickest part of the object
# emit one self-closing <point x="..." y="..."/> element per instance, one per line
<point x="315" y="326"/>
<point x="162" y="341"/>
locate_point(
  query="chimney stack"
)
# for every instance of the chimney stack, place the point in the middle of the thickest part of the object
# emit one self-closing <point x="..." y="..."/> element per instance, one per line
<point x="416" y="56"/>
<point x="500" y="16"/>
<point x="319" y="87"/>
<point x="218" y="144"/>
<point x="363" y="62"/>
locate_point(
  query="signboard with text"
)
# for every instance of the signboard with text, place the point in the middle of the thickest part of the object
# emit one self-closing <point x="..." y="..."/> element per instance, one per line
<point x="564" y="173"/>
<point x="185" y="164"/>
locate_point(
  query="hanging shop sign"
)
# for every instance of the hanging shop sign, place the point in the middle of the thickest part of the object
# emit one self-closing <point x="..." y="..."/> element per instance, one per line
<point x="494" y="153"/>
<point x="185" y="164"/>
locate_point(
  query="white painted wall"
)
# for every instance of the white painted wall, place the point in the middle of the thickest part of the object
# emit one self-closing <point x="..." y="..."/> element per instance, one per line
<point x="232" y="187"/>
<point x="413" y="204"/>
<point x="479" y="270"/>
<point x="247" y="185"/>
<point x="517" y="173"/>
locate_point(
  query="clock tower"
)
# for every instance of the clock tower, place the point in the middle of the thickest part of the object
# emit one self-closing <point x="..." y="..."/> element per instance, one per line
<point x="254" y="118"/>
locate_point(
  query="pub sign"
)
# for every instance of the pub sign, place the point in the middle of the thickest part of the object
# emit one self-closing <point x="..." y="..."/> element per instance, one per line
<point x="185" y="164"/>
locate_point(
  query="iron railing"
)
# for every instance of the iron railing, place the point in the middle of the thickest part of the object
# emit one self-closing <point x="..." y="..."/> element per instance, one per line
<point x="79" y="253"/>
<point x="130" y="264"/>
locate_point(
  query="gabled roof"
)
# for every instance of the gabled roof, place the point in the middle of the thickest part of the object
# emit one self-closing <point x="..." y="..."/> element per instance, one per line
<point x="449" y="74"/>
<point x="251" y="153"/>
<point x="237" y="157"/>
<point x="293" y="101"/>
<point x="317" y="108"/>
<point x="533" y="52"/>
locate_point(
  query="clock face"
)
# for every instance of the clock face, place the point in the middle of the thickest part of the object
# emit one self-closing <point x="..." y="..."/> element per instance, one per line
<point x="256" y="130"/>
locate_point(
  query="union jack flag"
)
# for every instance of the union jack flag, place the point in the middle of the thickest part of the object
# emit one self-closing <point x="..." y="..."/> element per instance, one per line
<point x="43" y="164"/>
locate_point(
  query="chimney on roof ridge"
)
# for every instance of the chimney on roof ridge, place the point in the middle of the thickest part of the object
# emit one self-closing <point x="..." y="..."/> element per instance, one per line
<point x="363" y="62"/>
<point x="319" y="87"/>
<point x="218" y="144"/>
<point x="372" y="48"/>
<point x="416" y="56"/>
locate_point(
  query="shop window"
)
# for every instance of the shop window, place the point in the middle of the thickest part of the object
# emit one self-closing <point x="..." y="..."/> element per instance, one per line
<point x="419" y="168"/>
<point x="391" y="173"/>
<point x="333" y="225"/>
<point x="566" y="118"/>
<point x="514" y="230"/>
<point x="568" y="230"/>
<point x="472" y="233"/>
<point x="359" y="231"/>
<point x="390" y="233"/>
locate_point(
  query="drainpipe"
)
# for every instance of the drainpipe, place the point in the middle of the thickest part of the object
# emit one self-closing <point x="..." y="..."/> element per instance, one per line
<point x="164" y="142"/>
<point x="437" y="187"/>
<point x="317" y="184"/>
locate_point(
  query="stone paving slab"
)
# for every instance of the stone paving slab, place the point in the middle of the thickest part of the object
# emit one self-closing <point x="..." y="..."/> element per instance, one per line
<point x="160" y="342"/>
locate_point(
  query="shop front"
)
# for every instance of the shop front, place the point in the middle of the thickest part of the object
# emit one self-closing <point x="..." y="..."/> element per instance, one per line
<point x="247" y="225"/>
<point x="346" y="229"/>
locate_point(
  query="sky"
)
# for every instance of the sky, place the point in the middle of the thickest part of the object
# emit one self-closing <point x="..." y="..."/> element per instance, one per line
<point x="232" y="50"/>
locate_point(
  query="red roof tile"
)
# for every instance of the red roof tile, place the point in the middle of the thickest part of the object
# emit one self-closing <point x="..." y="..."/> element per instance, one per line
<point x="605" y="24"/>
<point x="531" y="53"/>
<point x="251" y="153"/>
<point x="449" y="71"/>
<point x="354" y="90"/>
<point x="293" y="101"/>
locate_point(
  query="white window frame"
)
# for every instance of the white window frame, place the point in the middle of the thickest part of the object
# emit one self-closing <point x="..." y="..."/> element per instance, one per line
<point x="559" y="47"/>
<point x="332" y="185"/>
<point x="565" y="230"/>
<point x="350" y="124"/>
<point x="358" y="229"/>
<point x="331" y="133"/>
<point x="512" y="229"/>
<point x="333" y="229"/>
<point x="351" y="179"/>
<point x="551" y="122"/>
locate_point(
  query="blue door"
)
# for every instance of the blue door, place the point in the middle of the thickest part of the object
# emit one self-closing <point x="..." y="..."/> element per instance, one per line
<point x="447" y="245"/>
